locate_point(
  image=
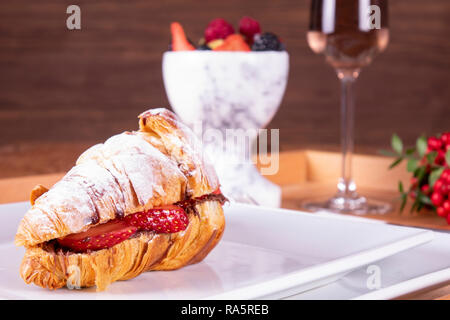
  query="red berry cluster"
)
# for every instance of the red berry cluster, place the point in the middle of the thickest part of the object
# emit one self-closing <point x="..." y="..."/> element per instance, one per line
<point x="220" y="35"/>
<point x="440" y="196"/>
<point x="221" y="29"/>
<point x="441" y="145"/>
<point x="429" y="162"/>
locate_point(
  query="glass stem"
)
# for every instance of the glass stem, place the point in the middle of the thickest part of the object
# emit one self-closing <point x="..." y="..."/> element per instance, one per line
<point x="346" y="186"/>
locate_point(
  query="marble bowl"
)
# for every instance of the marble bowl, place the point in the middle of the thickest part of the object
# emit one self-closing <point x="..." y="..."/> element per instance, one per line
<point x="229" y="91"/>
<point x="226" y="89"/>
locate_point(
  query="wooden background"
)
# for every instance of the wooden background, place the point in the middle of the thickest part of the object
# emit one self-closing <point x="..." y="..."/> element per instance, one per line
<point x="61" y="90"/>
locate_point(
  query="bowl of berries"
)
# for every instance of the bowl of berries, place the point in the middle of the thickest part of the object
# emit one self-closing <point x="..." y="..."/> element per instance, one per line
<point x="231" y="80"/>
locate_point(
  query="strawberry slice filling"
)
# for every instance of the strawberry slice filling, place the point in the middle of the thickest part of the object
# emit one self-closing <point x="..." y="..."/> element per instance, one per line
<point x="164" y="219"/>
<point x="103" y="236"/>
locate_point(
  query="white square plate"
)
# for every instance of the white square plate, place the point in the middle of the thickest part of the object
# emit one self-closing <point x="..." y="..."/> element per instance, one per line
<point x="265" y="253"/>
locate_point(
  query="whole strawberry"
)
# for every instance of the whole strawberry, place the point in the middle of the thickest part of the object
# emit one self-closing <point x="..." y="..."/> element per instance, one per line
<point x="218" y="29"/>
<point x="249" y="27"/>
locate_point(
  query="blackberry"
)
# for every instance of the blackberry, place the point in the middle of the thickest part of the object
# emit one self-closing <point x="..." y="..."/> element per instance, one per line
<point x="203" y="47"/>
<point x="267" y="42"/>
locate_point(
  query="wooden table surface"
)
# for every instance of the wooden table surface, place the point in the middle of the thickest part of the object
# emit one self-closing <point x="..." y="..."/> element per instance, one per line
<point x="296" y="184"/>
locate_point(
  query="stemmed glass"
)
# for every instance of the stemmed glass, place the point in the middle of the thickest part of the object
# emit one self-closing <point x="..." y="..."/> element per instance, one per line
<point x="226" y="97"/>
<point x="350" y="33"/>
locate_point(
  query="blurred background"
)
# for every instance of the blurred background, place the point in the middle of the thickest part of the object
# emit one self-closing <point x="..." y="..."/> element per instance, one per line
<point x="62" y="91"/>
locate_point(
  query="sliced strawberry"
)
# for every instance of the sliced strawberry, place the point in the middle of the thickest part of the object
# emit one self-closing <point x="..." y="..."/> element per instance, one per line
<point x="179" y="40"/>
<point x="100" y="237"/>
<point x="166" y="219"/>
<point x="234" y="42"/>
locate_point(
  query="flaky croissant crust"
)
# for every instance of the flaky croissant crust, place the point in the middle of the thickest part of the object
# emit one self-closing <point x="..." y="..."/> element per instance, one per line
<point x="160" y="164"/>
<point x="52" y="269"/>
<point x="131" y="172"/>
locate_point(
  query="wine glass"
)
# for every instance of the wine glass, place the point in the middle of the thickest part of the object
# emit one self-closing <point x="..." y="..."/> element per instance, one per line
<point x="350" y="33"/>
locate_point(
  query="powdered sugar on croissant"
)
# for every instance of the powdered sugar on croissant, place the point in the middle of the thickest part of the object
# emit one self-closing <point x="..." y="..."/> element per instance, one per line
<point x="130" y="172"/>
<point x="124" y="175"/>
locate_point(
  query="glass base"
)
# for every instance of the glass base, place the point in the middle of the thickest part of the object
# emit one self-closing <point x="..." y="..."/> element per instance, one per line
<point x="350" y="203"/>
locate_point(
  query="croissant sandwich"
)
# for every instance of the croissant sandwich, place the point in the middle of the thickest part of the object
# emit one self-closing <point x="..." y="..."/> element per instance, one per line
<point x="142" y="200"/>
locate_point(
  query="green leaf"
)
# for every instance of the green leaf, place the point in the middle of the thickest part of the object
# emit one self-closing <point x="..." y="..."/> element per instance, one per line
<point x="431" y="157"/>
<point x="424" y="199"/>
<point x="403" y="204"/>
<point x="447" y="157"/>
<point x="396" y="162"/>
<point x="416" y="205"/>
<point x="397" y="143"/>
<point x="400" y="187"/>
<point x="434" y="175"/>
<point x="419" y="206"/>
<point x="412" y="165"/>
<point x="421" y="145"/>
<point x="410" y="151"/>
<point x="420" y="173"/>
<point x="387" y="153"/>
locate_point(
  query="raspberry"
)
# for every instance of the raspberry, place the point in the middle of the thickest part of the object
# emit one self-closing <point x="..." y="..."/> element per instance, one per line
<point x="218" y="29"/>
<point x="267" y="42"/>
<point x="249" y="27"/>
